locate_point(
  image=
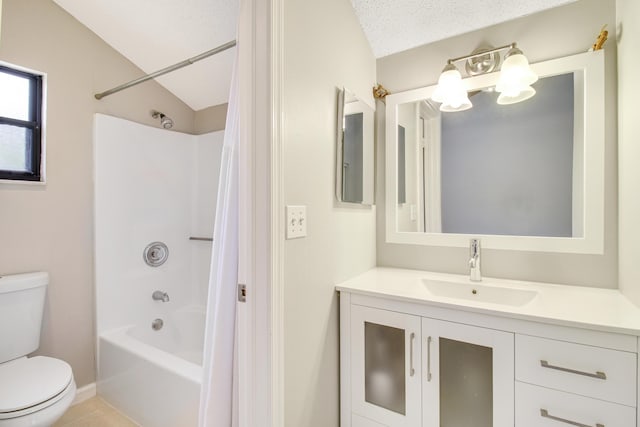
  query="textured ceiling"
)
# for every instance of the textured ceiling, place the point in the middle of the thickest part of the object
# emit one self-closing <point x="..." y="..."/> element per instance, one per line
<point x="393" y="26"/>
<point x="154" y="34"/>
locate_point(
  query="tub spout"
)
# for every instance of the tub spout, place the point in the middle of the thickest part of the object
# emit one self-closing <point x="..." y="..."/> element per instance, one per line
<point x="160" y="296"/>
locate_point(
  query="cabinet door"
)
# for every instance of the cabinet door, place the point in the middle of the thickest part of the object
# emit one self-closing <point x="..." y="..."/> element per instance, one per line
<point x="467" y="376"/>
<point x="385" y="366"/>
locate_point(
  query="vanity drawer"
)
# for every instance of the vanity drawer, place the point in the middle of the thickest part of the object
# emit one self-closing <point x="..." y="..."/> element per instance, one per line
<point x="542" y="407"/>
<point x="589" y="371"/>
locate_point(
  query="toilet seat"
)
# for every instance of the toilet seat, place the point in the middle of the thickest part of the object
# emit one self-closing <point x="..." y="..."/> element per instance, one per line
<point x="31" y="384"/>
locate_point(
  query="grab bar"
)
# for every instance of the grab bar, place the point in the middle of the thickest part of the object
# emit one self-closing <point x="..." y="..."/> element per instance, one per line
<point x="203" y="239"/>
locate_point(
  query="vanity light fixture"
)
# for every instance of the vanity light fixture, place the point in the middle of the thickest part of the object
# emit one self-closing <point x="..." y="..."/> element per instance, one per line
<point x="514" y="82"/>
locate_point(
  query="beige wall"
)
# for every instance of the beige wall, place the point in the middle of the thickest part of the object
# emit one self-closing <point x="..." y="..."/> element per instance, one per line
<point x="210" y="119"/>
<point x="49" y="227"/>
<point x="324" y="49"/>
<point x="551" y="34"/>
<point x="628" y="18"/>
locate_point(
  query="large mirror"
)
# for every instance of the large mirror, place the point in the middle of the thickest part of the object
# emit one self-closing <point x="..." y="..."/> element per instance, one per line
<point x="355" y="150"/>
<point x="525" y="176"/>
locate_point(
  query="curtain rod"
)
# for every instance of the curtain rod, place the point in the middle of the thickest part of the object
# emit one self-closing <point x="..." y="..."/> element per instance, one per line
<point x="166" y="70"/>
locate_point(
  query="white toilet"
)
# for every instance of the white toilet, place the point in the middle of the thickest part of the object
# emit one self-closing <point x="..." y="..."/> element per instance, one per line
<point x="34" y="391"/>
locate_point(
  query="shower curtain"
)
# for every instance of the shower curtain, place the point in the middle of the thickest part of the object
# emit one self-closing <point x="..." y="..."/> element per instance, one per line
<point x="218" y="401"/>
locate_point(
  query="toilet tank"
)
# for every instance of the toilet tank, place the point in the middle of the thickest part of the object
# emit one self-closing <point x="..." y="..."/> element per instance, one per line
<point x="21" y="308"/>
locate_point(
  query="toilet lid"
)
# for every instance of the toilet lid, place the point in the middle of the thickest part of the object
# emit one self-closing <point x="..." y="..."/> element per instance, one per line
<point x="30" y="381"/>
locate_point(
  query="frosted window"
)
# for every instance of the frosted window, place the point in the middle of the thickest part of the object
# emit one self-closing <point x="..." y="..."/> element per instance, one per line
<point x="384" y="367"/>
<point x="21" y="148"/>
<point x="466" y="384"/>
<point x="14" y="148"/>
<point x="15" y="99"/>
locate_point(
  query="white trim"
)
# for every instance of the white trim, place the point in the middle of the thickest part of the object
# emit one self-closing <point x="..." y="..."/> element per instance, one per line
<point x="249" y="392"/>
<point x="638" y="383"/>
<point x="345" y="359"/>
<point x="84" y="393"/>
<point x="245" y="312"/>
<point x="260" y="320"/>
<point x="276" y="300"/>
<point x="592" y="242"/>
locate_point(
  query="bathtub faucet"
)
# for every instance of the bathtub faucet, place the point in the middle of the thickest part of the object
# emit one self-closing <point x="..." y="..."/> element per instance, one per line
<point x="160" y="296"/>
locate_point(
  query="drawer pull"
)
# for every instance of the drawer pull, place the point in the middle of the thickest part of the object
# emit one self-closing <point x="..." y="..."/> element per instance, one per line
<point x="412" y="338"/>
<point x="545" y="414"/>
<point x="599" y="375"/>
<point x="429" y="359"/>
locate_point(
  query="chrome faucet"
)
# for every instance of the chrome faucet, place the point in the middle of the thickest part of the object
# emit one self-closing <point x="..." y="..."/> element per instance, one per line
<point x="474" y="260"/>
<point x="160" y="296"/>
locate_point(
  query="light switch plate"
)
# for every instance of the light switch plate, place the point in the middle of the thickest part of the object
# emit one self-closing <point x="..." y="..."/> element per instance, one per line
<point x="296" y="222"/>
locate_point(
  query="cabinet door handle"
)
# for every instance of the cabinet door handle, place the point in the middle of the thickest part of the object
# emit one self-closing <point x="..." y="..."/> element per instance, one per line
<point x="545" y="414"/>
<point x="429" y="359"/>
<point x="412" y="338"/>
<point x="599" y="375"/>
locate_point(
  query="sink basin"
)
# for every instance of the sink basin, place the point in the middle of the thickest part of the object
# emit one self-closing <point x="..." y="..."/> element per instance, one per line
<point x="480" y="292"/>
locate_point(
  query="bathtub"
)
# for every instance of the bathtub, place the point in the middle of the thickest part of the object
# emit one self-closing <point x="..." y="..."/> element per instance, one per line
<point x="154" y="377"/>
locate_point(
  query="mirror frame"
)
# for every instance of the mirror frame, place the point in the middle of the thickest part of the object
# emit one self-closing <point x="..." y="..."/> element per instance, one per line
<point x="368" y="147"/>
<point x="589" y="67"/>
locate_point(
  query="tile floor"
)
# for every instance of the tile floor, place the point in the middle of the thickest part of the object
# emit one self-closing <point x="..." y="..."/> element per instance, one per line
<point x="93" y="413"/>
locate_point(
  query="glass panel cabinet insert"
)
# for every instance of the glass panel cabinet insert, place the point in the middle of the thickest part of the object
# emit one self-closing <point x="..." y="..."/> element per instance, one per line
<point x="469" y="375"/>
<point x="385" y="366"/>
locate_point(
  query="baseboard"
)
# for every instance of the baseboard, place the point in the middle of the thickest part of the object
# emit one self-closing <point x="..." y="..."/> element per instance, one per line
<point x="84" y="393"/>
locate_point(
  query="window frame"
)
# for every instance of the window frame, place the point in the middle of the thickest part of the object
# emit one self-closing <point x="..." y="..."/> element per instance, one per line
<point x="36" y="148"/>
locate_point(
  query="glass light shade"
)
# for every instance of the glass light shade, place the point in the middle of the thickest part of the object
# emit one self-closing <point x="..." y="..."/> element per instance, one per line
<point x="450" y="82"/>
<point x="515" y="75"/>
<point x="507" y="98"/>
<point x="451" y="92"/>
<point x="461" y="103"/>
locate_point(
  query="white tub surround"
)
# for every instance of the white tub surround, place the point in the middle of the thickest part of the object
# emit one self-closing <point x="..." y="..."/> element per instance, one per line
<point x="508" y="352"/>
<point x="152" y="185"/>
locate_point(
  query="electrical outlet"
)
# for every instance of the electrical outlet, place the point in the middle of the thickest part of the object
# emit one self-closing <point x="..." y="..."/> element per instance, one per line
<point x="296" y="222"/>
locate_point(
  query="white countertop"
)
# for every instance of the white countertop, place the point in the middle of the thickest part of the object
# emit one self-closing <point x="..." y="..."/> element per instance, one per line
<point x="593" y="308"/>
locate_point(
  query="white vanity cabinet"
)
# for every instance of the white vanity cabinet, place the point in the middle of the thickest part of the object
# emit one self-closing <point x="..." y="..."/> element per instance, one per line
<point x="414" y="360"/>
<point x="412" y="371"/>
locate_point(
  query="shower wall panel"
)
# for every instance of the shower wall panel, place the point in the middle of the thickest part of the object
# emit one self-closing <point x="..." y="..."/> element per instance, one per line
<point x="150" y="185"/>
